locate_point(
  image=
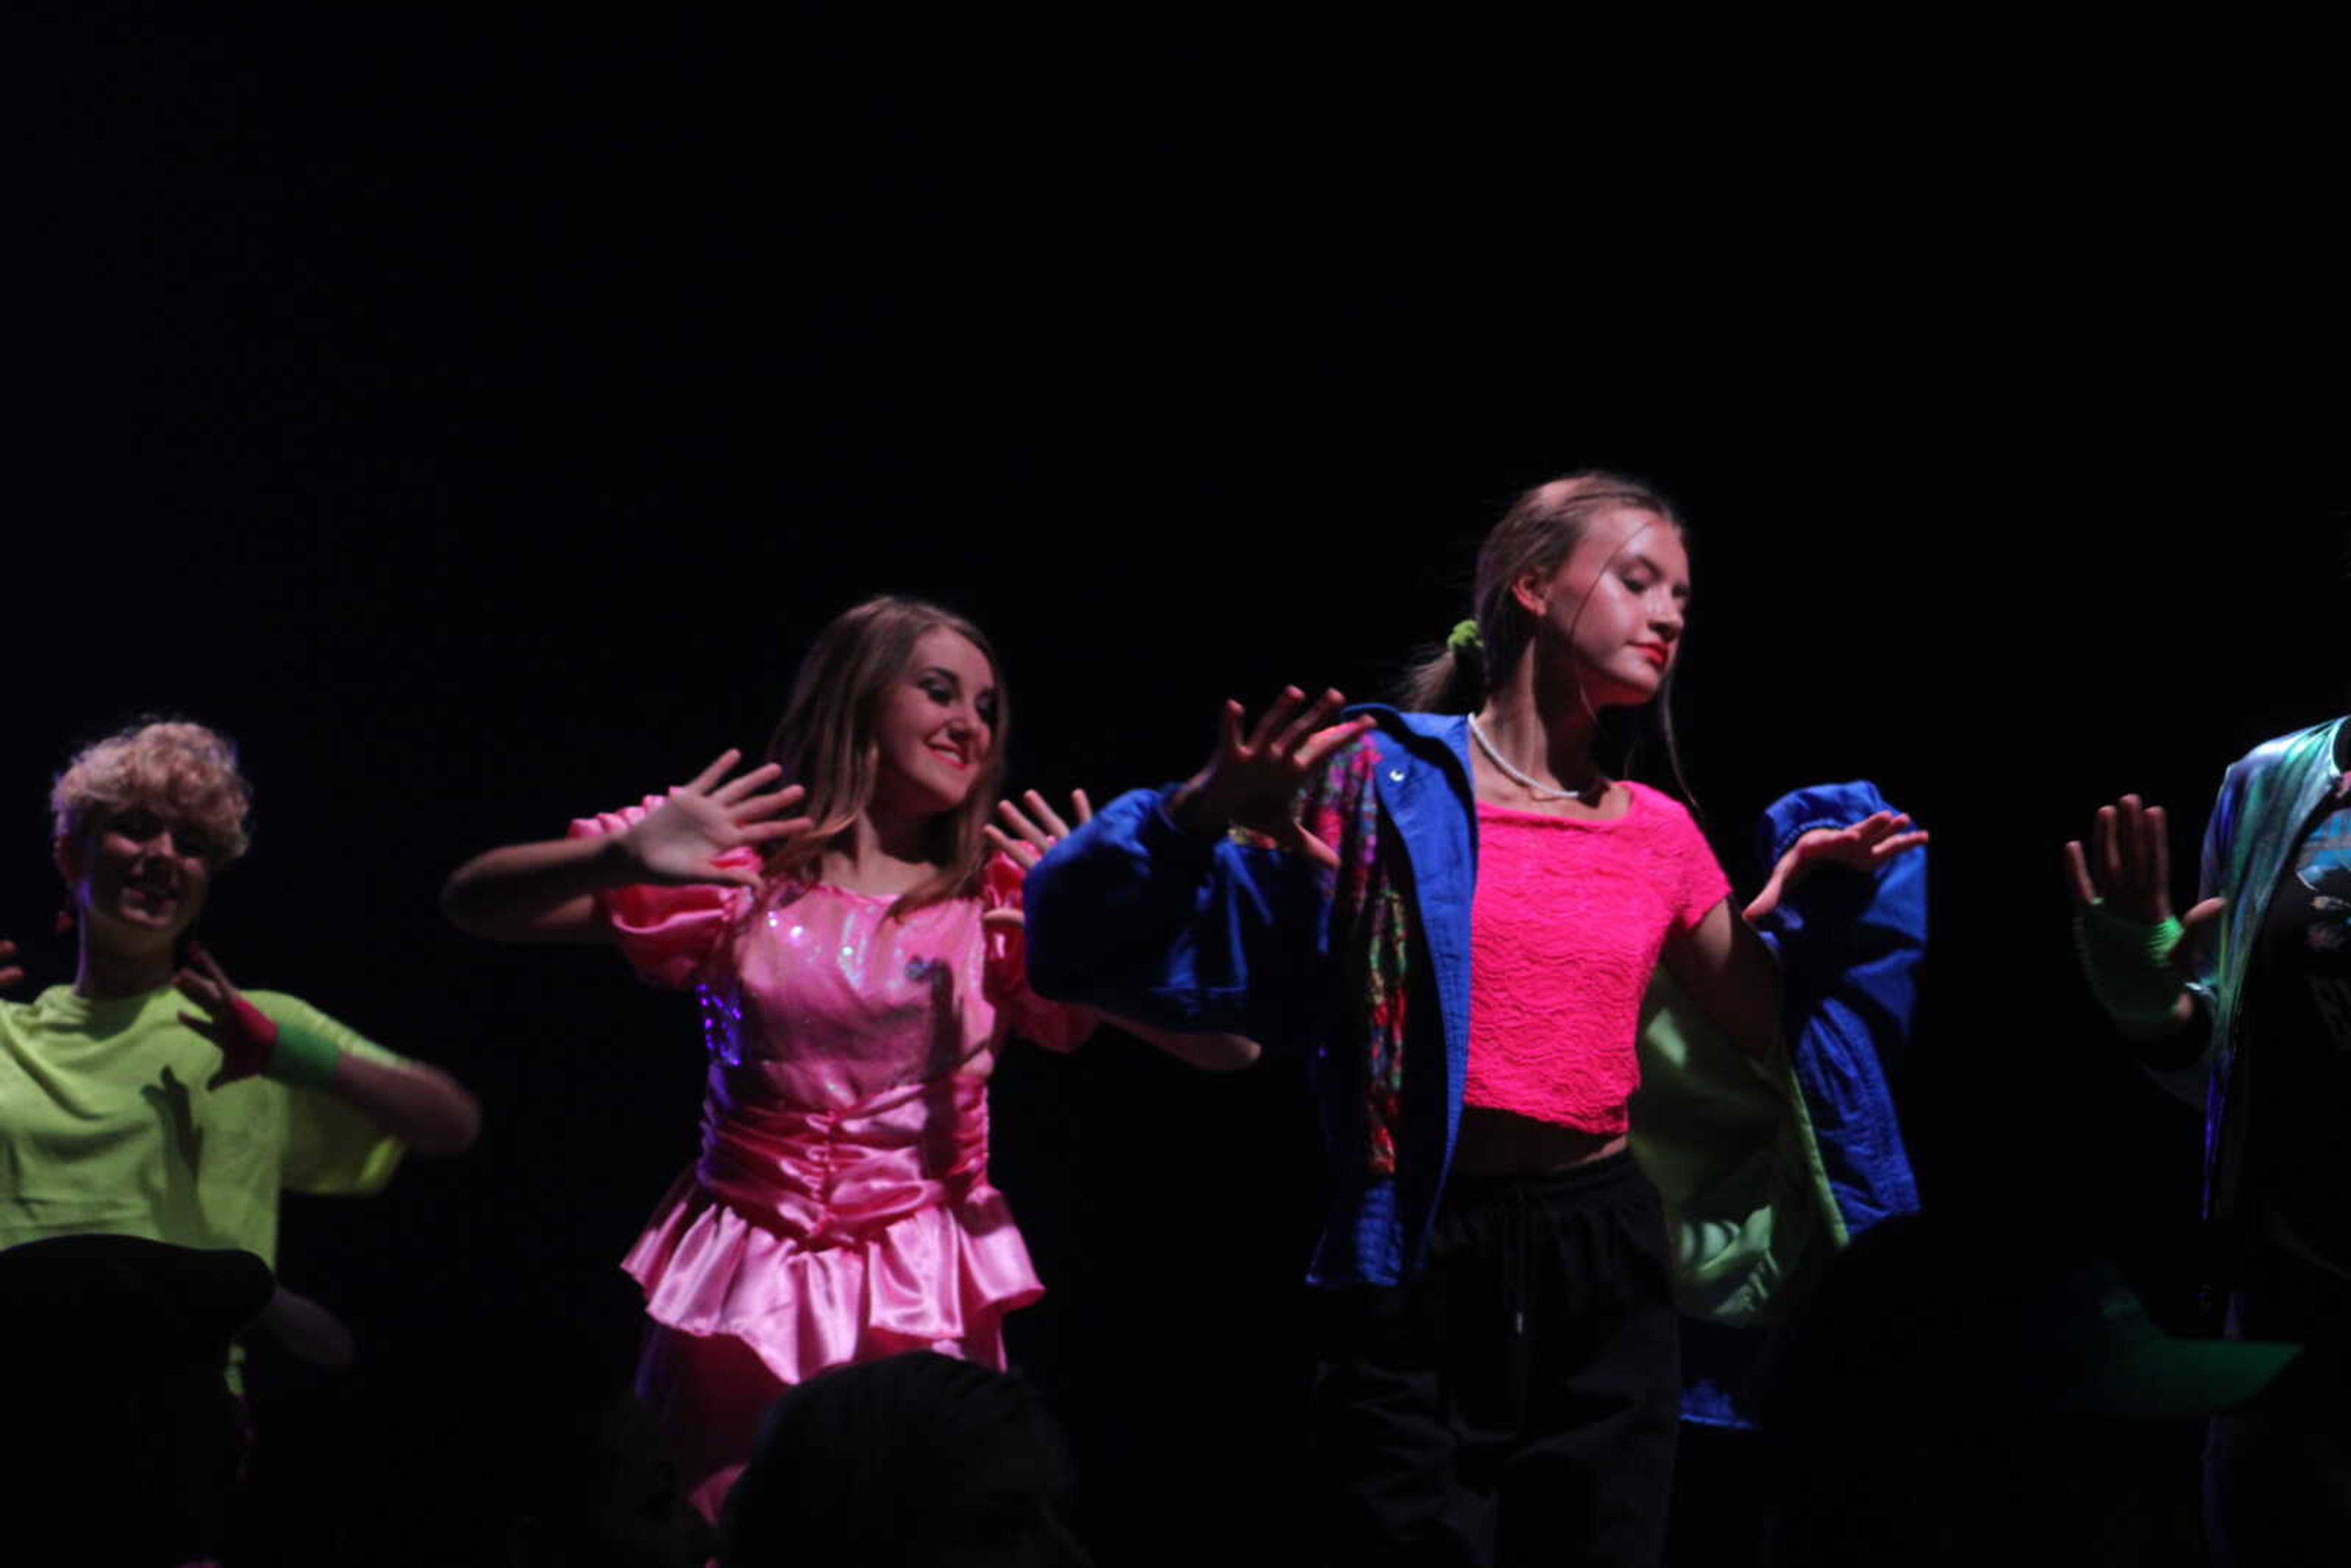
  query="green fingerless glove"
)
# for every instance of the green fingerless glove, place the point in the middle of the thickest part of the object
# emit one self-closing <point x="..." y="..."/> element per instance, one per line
<point x="302" y="1059"/>
<point x="2128" y="964"/>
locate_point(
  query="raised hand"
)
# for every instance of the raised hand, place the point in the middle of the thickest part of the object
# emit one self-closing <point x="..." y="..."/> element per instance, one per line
<point x="2130" y="847"/>
<point x="1863" y="846"/>
<point x="681" y="841"/>
<point x="247" y="1036"/>
<point x="2137" y="961"/>
<point x="1252" y="780"/>
<point x="1036" y="830"/>
<point x="10" y="973"/>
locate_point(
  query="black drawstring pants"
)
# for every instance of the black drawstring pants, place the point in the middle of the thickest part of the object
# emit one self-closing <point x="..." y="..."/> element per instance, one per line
<point x="1514" y="1404"/>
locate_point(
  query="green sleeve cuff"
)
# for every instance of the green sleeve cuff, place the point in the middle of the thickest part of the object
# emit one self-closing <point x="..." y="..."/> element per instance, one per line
<point x="2128" y="964"/>
<point x="303" y="1058"/>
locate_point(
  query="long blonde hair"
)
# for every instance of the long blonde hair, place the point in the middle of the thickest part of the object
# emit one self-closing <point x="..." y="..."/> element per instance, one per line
<point x="825" y="741"/>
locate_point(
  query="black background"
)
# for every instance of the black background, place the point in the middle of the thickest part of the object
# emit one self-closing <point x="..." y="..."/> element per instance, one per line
<point x="474" y="419"/>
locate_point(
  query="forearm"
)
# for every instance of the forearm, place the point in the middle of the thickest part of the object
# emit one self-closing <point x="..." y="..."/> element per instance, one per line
<point x="1109" y="903"/>
<point x="1137" y="916"/>
<point x="1209" y="1053"/>
<point x="421" y="1105"/>
<point x="543" y="891"/>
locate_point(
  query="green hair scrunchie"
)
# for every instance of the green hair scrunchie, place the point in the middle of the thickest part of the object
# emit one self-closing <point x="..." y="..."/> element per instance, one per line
<point x="1464" y="638"/>
<point x="2128" y="964"/>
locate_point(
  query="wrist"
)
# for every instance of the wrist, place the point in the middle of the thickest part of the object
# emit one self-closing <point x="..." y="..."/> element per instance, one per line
<point x="1190" y="808"/>
<point x="619" y="860"/>
<point x="2128" y="965"/>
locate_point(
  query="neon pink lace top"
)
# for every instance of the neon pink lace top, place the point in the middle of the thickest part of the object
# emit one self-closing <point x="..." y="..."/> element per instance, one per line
<point x="1564" y="931"/>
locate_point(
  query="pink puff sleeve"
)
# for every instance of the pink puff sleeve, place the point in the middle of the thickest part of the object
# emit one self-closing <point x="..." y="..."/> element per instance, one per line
<point x="667" y="933"/>
<point x="1056" y="1026"/>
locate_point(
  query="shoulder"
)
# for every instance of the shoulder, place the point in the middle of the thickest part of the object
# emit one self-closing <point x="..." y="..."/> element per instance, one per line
<point x="1426" y="732"/>
<point x="1437" y="741"/>
<point x="2300" y="745"/>
<point x="1665" y="813"/>
<point x="2277" y="762"/>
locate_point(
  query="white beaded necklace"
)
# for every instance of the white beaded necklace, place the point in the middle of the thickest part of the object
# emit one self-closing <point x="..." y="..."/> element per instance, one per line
<point x="1539" y="791"/>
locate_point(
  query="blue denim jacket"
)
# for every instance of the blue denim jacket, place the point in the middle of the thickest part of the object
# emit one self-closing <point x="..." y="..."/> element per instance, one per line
<point x="1137" y="916"/>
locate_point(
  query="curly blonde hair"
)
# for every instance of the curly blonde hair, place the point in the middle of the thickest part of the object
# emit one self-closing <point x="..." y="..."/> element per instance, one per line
<point x="173" y="765"/>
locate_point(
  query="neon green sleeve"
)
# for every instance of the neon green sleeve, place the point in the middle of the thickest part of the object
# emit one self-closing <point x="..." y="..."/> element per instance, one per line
<point x="332" y="1149"/>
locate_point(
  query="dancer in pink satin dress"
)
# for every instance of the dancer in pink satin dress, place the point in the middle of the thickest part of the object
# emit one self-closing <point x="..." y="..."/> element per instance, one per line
<point x="859" y="966"/>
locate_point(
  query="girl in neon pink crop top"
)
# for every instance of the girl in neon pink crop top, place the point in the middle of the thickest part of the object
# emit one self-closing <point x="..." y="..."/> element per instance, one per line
<point x="1522" y="1386"/>
<point x="858" y="957"/>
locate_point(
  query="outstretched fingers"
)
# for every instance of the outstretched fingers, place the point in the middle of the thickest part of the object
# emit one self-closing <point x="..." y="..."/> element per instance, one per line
<point x="775" y="832"/>
<point x="1315" y="717"/>
<point x="751" y="810"/>
<point x="2077" y="875"/>
<point x="1031" y="833"/>
<point x="199" y="990"/>
<point x="1046" y="816"/>
<point x="738" y="789"/>
<point x="703" y="781"/>
<point x="2131" y="840"/>
<point x="201" y="981"/>
<point x="1889" y="834"/>
<point x="9" y="973"/>
<point x="1265" y="735"/>
<point x="1228" y="728"/>
<point x="2155" y="852"/>
<point x="1038" y="827"/>
<point x="2128" y="860"/>
<point x="1331" y="738"/>
<point x="1305" y="843"/>
<point x="211" y="966"/>
<point x="2106" y="850"/>
<point x="2195" y="928"/>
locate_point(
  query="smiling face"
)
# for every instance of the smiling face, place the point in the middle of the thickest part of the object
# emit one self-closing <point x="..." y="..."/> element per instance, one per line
<point x="139" y="876"/>
<point x="1616" y="606"/>
<point x="934" y="727"/>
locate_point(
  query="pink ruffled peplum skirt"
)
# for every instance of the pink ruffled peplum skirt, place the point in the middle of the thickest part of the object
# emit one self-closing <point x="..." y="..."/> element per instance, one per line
<point x="820" y="1238"/>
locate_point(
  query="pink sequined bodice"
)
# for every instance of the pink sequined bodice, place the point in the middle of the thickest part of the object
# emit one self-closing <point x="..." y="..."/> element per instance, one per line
<point x="827" y="1002"/>
<point x="1565" y="927"/>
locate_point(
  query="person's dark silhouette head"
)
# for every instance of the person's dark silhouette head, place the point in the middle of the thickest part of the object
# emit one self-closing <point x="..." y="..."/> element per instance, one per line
<point x="915" y="1459"/>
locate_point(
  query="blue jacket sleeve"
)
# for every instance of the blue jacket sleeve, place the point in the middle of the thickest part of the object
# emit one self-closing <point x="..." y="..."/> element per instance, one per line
<point x="1141" y="917"/>
<point x="1850" y="950"/>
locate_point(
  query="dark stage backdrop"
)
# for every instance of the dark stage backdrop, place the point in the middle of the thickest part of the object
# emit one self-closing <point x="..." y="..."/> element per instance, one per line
<point x="475" y="422"/>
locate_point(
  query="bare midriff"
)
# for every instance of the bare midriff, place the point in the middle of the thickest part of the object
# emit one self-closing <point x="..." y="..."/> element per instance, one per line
<point x="1498" y="1143"/>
